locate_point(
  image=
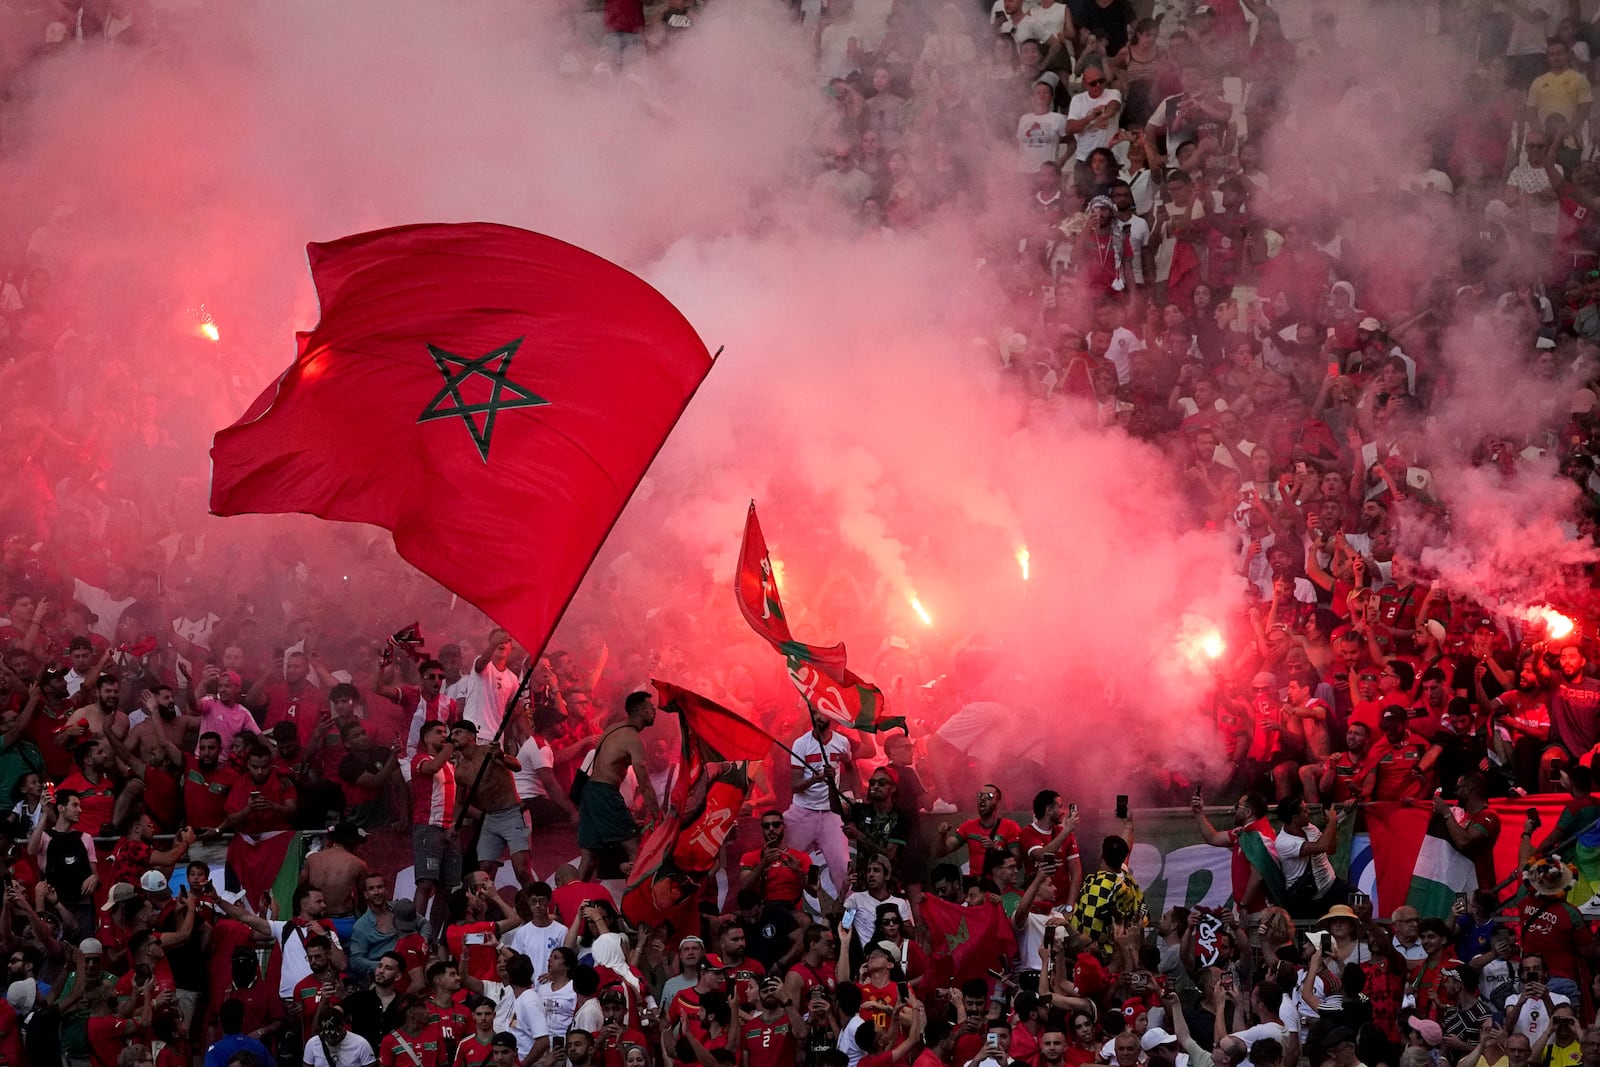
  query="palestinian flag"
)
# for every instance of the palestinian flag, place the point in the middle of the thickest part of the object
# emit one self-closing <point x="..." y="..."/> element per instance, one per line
<point x="270" y="862"/>
<point x="1254" y="848"/>
<point x="965" y="942"/>
<point x="1413" y="860"/>
<point x="1584" y="854"/>
<point x="757" y="588"/>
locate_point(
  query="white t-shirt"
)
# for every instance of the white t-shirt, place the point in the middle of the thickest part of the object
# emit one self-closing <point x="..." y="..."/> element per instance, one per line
<point x="352" y="1051"/>
<point x="589" y="1017"/>
<point x="861" y="913"/>
<point x="536" y="942"/>
<point x="560" y="1005"/>
<point x="534" y="755"/>
<point x="1535" y="1018"/>
<point x="847" y="1040"/>
<point x="1124" y="343"/>
<point x="487" y="694"/>
<point x="1039" y="137"/>
<point x="809" y="754"/>
<point x="99" y="601"/>
<point x="1138" y="232"/>
<point x="1045" y="23"/>
<point x="1259" y="1032"/>
<point x="1294" y="864"/>
<point x="528" y="1021"/>
<point x="1080" y="107"/>
<point x="75" y="682"/>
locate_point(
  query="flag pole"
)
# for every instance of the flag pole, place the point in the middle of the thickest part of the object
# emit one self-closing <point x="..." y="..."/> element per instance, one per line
<point x="522" y="685"/>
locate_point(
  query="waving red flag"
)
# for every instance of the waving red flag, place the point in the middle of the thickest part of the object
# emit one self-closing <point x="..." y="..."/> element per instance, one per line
<point x="489" y="395"/>
<point x="711" y="734"/>
<point x="966" y="941"/>
<point x="756" y="586"/>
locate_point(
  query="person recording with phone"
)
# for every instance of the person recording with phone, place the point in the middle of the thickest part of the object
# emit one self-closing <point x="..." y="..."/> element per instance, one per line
<point x="1051" y="835"/>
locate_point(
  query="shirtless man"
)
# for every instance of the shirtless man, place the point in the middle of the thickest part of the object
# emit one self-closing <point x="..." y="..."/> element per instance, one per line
<point x="90" y="721"/>
<point x="502" y="829"/>
<point x="161" y="726"/>
<point x="337" y="871"/>
<point x="603" y="816"/>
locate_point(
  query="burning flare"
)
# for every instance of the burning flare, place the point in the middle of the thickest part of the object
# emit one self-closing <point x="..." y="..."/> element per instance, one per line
<point x="922" y="612"/>
<point x="1212" y="645"/>
<point x="1557" y="626"/>
<point x="1022" y="561"/>
<point x="209" y="330"/>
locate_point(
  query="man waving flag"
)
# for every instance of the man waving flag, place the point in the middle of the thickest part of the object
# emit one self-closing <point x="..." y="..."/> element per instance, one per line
<point x="489" y="395"/>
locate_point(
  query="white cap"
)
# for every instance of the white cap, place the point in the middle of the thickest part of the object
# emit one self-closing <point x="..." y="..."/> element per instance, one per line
<point x="1155" y="1037"/>
<point x="153" y="882"/>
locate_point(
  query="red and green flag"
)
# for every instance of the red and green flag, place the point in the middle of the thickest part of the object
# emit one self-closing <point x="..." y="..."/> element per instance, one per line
<point x="1413" y="859"/>
<point x="490" y="396"/>
<point x="965" y="942"/>
<point x="1255" y="849"/>
<point x="711" y="734"/>
<point x="757" y="589"/>
<point x="679" y="852"/>
<point x="819" y="673"/>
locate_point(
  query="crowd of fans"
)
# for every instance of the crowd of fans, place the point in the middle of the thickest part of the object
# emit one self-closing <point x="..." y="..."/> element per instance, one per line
<point x="158" y="696"/>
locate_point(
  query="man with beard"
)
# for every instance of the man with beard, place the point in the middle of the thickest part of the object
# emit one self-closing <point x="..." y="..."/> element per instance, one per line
<point x="104" y="806"/>
<point x="502" y="829"/>
<point x="133" y="856"/>
<point x="55" y="707"/>
<point x="369" y="775"/>
<point x="875" y="827"/>
<point x="1400" y="766"/>
<point x="1573" y="698"/>
<point x="152" y="746"/>
<point x="294" y="699"/>
<point x="813" y="822"/>
<point x="1519" y="724"/>
<point x="221" y="712"/>
<point x="94" y="719"/>
<point x="779" y="872"/>
<point x="376" y="1010"/>
<point x="815" y="968"/>
<point x="261" y="801"/>
<point x="1249" y="816"/>
<point x="322" y="987"/>
<point x="772" y="1036"/>
<point x="207" y="781"/>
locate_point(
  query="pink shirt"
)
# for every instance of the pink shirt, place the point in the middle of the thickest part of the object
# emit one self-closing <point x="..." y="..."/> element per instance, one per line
<point x="228" y="720"/>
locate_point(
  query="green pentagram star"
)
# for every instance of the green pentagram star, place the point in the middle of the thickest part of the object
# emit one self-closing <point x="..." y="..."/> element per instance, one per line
<point x="507" y="393"/>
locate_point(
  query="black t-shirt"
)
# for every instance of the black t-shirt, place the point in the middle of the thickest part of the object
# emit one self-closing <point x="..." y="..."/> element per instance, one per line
<point x="66" y="865"/>
<point x="768" y="937"/>
<point x="1109" y="23"/>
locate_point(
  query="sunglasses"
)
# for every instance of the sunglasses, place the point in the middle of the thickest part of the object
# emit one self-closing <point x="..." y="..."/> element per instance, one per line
<point x="1091" y="83"/>
<point x="772" y="826"/>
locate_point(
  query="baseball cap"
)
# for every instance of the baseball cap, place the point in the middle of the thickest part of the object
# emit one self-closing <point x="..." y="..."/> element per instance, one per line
<point x="503" y="1040"/>
<point x="713" y="962"/>
<point x="91" y="946"/>
<point x="884" y="947"/>
<point x="1370" y="324"/>
<point x="1431" y="1031"/>
<point x="153" y="882"/>
<point x="1155" y="1037"/>
<point x="405" y="916"/>
<point x="1392" y="712"/>
<point x="694" y="939"/>
<point x="118" y="894"/>
<point x="613" y="996"/>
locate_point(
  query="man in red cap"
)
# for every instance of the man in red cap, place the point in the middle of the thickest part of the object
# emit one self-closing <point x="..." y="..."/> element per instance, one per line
<point x="875" y="827"/>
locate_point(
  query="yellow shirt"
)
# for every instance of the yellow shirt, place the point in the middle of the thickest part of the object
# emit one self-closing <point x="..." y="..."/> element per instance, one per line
<point x="1559" y="94"/>
<point x="1563" y="1055"/>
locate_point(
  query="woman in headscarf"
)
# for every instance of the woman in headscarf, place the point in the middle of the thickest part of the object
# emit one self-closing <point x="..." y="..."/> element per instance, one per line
<point x="610" y="955"/>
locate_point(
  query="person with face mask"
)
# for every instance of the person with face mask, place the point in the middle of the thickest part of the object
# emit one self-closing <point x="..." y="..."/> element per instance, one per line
<point x="334" y="1045"/>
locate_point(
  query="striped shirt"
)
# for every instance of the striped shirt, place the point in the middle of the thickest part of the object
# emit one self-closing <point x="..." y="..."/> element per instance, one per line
<point x="434" y="795"/>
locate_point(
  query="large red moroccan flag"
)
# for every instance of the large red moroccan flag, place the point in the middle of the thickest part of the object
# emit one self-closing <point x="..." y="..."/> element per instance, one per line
<point x="965" y="942"/>
<point x="489" y="395"/>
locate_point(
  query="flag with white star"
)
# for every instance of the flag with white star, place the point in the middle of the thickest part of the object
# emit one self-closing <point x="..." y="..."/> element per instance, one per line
<point x="491" y="396"/>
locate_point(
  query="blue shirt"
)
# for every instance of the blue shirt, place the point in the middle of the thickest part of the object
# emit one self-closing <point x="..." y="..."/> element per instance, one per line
<point x="230" y="1046"/>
